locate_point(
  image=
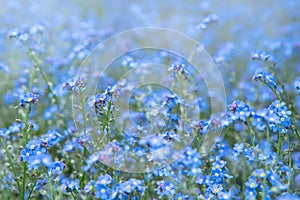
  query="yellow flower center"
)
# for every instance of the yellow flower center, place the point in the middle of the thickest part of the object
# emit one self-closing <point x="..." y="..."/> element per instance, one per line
<point x="102" y="190"/>
<point x="32" y="146"/>
<point x="242" y="112"/>
<point x="168" y="188"/>
<point x="262" y="174"/>
<point x="57" y="168"/>
<point x="278" y="105"/>
<point x="29" y="99"/>
<point x="103" y="181"/>
<point x="91" y="187"/>
<point x="252" y="184"/>
<point x="216" y="174"/>
<point x="38" y="153"/>
<point x="27" y="154"/>
<point x="217" y="166"/>
<point x="128" y="187"/>
<point x="282" y="119"/>
<point x="216" y="190"/>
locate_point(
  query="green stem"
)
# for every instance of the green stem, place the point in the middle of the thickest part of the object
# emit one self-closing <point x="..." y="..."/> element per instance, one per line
<point x="83" y="111"/>
<point x="290" y="164"/>
<point x="26" y="130"/>
<point x="10" y="162"/>
<point x="276" y="93"/>
<point x="24" y="180"/>
<point x="295" y="130"/>
<point x="84" y="132"/>
<point x="266" y="166"/>
<point x="31" y="190"/>
<point x="37" y="68"/>
<point x="73" y="195"/>
<point x="252" y="134"/>
<point x="279" y="144"/>
<point x="105" y="124"/>
<point x="107" y="117"/>
<point x="83" y="174"/>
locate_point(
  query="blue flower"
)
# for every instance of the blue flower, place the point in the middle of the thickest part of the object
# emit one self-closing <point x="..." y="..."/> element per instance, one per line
<point x="250" y="194"/>
<point x="35" y="161"/>
<point x="218" y="165"/>
<point x="75" y="85"/>
<point x="138" y="185"/>
<point x="104" y="180"/>
<point x="131" y="185"/>
<point x="217" y="176"/>
<point x="179" y="68"/>
<point x="260" y="173"/>
<point x="250" y="155"/>
<point x="265" y="77"/>
<point x="201" y="179"/>
<point x="165" y="188"/>
<point x="239" y="111"/>
<point x="297" y="86"/>
<point x="216" y="189"/>
<point x="278" y="117"/>
<point x="170" y="136"/>
<point x="260" y="55"/>
<point x="88" y="188"/>
<point x="102" y="191"/>
<point x="41" y="183"/>
<point x="29" y="99"/>
<point x="201" y="126"/>
<point x="181" y="197"/>
<point x="57" y="167"/>
<point x="274" y="179"/>
<point x="259" y="122"/>
<point x="35" y="155"/>
<point x="171" y="102"/>
<point x="237" y="150"/>
<point x="69" y="185"/>
<point x="252" y="183"/>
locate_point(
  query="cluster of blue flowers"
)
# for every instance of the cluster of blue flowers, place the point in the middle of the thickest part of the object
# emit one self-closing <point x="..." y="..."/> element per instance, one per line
<point x="130" y="140"/>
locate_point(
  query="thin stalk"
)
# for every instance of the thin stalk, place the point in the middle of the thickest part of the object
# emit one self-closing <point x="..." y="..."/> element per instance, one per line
<point x="84" y="132"/>
<point x="279" y="144"/>
<point x="290" y="164"/>
<point x="266" y="165"/>
<point x="10" y="162"/>
<point x="73" y="195"/>
<point x="26" y="130"/>
<point x="252" y="134"/>
<point x="83" y="111"/>
<point x="31" y="190"/>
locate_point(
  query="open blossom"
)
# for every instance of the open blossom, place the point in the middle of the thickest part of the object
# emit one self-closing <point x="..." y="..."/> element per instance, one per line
<point x="30" y="98"/>
<point x="265" y="77"/>
<point x="239" y="110"/>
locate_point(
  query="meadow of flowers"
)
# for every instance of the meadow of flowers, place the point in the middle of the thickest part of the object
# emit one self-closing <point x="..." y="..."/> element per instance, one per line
<point x="103" y="99"/>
